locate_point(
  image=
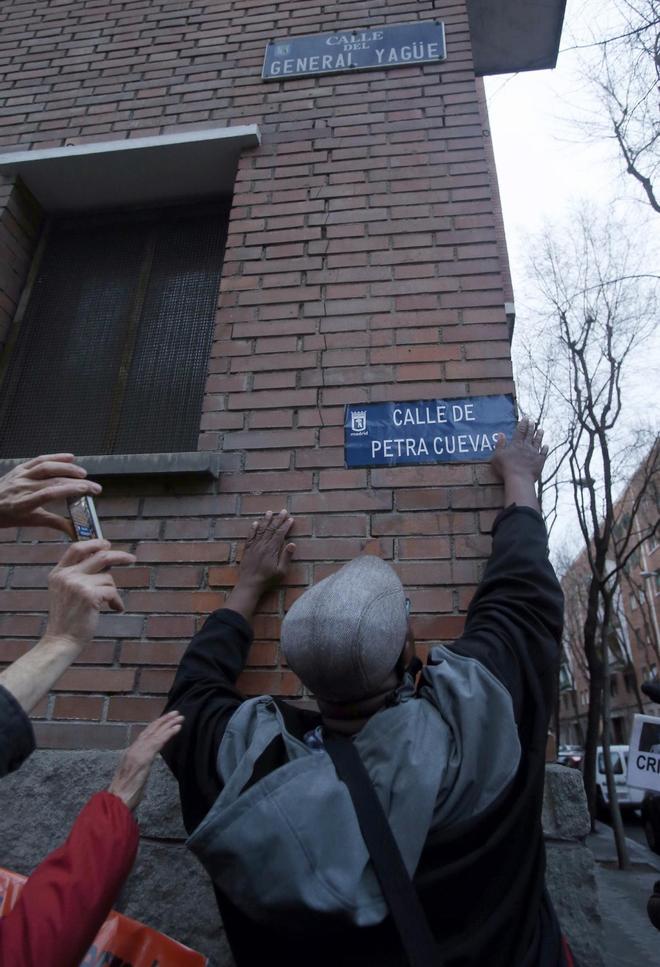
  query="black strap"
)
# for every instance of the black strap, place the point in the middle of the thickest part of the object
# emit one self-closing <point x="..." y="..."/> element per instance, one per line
<point x="400" y="894"/>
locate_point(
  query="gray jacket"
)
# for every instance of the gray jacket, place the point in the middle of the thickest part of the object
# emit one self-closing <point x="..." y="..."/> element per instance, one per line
<point x="290" y="845"/>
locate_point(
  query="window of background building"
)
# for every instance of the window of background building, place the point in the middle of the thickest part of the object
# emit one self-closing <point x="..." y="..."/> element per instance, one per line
<point x="112" y="352"/>
<point x="565" y="677"/>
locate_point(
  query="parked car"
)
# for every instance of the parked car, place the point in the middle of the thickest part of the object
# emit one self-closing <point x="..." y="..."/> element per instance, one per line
<point x="651" y="820"/>
<point x="629" y="799"/>
<point x="571" y="756"/>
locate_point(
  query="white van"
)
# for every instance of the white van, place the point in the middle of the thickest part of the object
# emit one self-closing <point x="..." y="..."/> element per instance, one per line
<point x="628" y="798"/>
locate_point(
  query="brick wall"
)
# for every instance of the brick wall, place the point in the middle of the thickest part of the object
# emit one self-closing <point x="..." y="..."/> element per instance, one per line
<point x="365" y="262"/>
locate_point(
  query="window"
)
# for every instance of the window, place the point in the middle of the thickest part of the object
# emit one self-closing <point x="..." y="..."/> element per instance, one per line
<point x="633" y="603"/>
<point x="565" y="677"/>
<point x="615" y="759"/>
<point x="112" y="352"/>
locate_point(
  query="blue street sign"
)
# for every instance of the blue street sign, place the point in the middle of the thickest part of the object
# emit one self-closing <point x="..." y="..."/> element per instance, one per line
<point x="398" y="45"/>
<point x="426" y="431"/>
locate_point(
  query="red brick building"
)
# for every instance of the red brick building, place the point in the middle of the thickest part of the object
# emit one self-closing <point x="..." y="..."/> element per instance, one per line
<point x="351" y="225"/>
<point x="634" y="648"/>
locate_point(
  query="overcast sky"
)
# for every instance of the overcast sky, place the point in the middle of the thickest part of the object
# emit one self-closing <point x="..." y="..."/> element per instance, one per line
<point x="546" y="163"/>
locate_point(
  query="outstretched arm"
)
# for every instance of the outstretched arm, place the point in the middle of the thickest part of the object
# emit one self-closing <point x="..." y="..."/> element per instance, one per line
<point x="514" y="622"/>
<point x="63" y="905"/>
<point x="78" y="588"/>
<point x="204" y="689"/>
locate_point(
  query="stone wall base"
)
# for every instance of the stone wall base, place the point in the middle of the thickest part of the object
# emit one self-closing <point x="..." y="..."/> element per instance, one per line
<point x="170" y="891"/>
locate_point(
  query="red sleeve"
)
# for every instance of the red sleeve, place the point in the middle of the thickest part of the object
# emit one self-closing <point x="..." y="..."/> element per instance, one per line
<point x="64" y="903"/>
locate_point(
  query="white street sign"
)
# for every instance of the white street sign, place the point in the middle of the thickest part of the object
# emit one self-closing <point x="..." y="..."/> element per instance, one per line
<point x="644" y="753"/>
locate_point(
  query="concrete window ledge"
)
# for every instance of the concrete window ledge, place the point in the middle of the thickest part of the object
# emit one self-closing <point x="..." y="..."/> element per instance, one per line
<point x="199" y="464"/>
<point x="132" y="171"/>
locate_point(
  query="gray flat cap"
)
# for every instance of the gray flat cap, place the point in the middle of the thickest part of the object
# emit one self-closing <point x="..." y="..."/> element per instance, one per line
<point x="344" y="635"/>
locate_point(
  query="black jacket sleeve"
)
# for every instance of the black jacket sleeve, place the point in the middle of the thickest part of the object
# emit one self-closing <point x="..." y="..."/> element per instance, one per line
<point x="205" y="692"/>
<point x="514" y="623"/>
<point x="16" y="733"/>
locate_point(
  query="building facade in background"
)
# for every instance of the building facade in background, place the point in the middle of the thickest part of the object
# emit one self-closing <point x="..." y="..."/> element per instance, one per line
<point x="199" y="269"/>
<point x="634" y="643"/>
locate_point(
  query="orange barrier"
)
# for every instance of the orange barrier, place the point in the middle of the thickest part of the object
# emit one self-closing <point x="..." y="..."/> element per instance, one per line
<point x="120" y="940"/>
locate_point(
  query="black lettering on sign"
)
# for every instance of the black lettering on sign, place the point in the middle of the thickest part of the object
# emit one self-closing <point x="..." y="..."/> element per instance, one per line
<point x="647" y="763"/>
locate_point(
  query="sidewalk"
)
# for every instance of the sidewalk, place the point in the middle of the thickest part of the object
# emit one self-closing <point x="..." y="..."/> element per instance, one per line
<point x="629" y="939"/>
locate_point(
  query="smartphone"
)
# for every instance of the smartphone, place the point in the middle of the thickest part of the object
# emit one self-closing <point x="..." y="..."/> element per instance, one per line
<point x="84" y="518"/>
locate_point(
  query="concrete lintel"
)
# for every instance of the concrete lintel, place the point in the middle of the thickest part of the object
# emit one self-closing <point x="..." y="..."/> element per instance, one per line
<point x="515" y="35"/>
<point x="132" y="171"/>
<point x="201" y="463"/>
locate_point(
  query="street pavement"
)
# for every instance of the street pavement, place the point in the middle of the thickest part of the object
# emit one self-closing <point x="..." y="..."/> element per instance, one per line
<point x="629" y="938"/>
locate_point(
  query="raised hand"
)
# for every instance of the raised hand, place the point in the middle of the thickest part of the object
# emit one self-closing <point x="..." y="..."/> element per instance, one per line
<point x="519" y="463"/>
<point x="29" y="485"/>
<point x="524" y="455"/>
<point x="130" y="779"/>
<point x="267" y="555"/>
<point x="80" y="587"/>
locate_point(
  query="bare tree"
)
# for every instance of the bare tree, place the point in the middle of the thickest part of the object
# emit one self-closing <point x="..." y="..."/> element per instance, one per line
<point x="599" y="307"/>
<point x="625" y="74"/>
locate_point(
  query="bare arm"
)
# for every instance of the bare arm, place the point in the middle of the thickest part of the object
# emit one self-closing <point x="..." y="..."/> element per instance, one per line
<point x="79" y="587"/>
<point x="64" y="903"/>
<point x="130" y="779"/>
<point x="205" y="688"/>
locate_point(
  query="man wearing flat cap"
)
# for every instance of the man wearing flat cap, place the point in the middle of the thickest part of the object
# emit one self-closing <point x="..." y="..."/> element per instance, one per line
<point x="455" y="755"/>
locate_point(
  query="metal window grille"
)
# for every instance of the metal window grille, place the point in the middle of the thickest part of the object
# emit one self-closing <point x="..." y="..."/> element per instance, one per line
<point x="112" y="351"/>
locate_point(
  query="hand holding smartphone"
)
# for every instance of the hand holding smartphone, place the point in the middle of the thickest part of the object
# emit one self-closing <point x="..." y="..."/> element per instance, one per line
<point x="84" y="518"/>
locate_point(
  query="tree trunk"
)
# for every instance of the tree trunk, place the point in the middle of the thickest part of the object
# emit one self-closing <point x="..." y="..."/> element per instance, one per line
<point x="638" y="695"/>
<point x="578" y="717"/>
<point x="591" y="737"/>
<point x="615" y="810"/>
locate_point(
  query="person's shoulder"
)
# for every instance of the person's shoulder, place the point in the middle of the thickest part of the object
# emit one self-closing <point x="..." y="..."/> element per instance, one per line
<point x="18" y="734"/>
